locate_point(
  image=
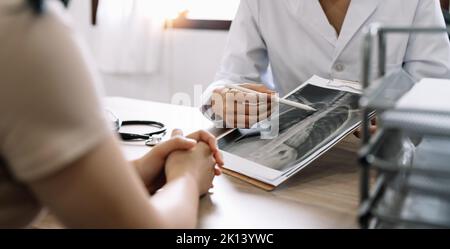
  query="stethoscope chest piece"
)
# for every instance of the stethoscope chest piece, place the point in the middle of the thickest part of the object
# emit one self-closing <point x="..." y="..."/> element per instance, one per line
<point x="153" y="140"/>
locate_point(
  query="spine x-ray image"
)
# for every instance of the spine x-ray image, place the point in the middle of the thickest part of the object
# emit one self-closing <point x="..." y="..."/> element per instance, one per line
<point x="301" y="133"/>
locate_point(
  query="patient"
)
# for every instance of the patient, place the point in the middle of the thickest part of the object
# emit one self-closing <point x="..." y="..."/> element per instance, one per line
<point x="57" y="151"/>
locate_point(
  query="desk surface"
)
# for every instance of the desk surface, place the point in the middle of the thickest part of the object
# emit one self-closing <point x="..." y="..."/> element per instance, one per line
<point x="324" y="195"/>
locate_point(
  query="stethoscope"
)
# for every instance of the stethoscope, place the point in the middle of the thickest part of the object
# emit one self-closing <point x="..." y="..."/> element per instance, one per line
<point x="151" y="138"/>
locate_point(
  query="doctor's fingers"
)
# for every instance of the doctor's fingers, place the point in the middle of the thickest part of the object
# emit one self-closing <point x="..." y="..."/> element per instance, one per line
<point x="245" y="102"/>
<point x="252" y="98"/>
<point x="227" y="95"/>
<point x="373" y="121"/>
<point x="247" y="109"/>
<point x="235" y="107"/>
<point x="244" y="121"/>
<point x="240" y="121"/>
<point x="372" y="130"/>
<point x="259" y="87"/>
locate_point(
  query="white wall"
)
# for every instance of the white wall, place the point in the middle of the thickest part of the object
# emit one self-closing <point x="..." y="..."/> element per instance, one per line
<point x="189" y="57"/>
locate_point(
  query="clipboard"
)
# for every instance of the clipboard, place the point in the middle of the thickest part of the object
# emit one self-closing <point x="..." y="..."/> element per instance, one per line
<point x="248" y="179"/>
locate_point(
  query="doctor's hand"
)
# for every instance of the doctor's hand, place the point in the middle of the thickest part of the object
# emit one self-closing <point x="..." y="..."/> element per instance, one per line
<point x="239" y="109"/>
<point x="372" y="129"/>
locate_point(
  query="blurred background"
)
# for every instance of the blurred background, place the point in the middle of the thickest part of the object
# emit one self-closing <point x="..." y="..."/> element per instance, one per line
<point x="153" y="49"/>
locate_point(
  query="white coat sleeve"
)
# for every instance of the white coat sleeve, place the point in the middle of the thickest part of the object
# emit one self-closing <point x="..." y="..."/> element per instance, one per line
<point x="428" y="55"/>
<point x="245" y="58"/>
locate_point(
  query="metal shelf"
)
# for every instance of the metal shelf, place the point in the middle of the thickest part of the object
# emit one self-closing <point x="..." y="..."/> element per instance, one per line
<point x="410" y="154"/>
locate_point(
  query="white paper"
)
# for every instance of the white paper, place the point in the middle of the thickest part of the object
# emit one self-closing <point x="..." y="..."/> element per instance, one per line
<point x="336" y="84"/>
<point x="427" y="95"/>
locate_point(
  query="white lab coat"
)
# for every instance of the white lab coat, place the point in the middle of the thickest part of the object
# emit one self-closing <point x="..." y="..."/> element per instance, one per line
<point x="295" y="38"/>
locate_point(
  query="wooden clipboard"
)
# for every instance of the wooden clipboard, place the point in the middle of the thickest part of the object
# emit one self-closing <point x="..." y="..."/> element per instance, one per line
<point x="252" y="181"/>
<point x="257" y="183"/>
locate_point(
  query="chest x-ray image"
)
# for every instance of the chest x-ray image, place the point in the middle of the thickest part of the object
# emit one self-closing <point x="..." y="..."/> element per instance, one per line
<point x="301" y="133"/>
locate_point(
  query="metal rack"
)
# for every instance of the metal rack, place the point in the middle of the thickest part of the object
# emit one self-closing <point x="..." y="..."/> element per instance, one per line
<point x="405" y="177"/>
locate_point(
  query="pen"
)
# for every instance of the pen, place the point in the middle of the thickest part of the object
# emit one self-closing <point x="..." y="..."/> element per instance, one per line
<point x="277" y="99"/>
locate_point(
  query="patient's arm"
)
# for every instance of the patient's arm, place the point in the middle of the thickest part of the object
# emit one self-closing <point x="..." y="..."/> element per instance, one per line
<point x="101" y="190"/>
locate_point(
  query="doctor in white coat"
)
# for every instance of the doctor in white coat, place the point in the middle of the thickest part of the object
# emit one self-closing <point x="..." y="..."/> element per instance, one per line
<point x="302" y="38"/>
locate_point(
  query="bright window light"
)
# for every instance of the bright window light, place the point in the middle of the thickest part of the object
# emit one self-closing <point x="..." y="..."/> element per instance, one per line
<point x="171" y="9"/>
<point x="210" y="9"/>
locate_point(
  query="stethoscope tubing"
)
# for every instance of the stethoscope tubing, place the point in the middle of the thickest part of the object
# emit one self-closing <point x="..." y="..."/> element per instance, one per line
<point x="133" y="136"/>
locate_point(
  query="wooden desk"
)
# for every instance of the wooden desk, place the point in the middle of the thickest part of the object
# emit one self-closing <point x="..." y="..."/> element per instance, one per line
<point x="324" y="195"/>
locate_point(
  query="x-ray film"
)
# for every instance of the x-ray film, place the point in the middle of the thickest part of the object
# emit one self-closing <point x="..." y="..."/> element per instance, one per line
<point x="303" y="136"/>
